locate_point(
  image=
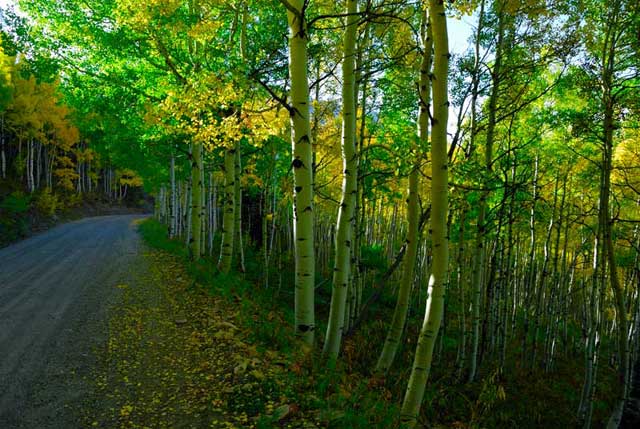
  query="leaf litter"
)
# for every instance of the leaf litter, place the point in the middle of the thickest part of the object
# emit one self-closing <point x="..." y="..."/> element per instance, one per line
<point x="178" y="357"/>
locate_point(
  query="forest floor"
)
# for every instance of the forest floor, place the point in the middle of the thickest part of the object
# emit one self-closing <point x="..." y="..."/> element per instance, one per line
<point x="180" y="356"/>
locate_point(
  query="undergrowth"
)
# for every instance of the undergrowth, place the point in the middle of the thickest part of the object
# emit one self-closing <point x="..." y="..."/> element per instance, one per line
<point x="348" y="395"/>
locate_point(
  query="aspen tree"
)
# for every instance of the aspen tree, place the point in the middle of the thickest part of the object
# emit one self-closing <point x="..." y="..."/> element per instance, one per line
<point x="613" y="31"/>
<point x="479" y="257"/>
<point x="196" y="195"/>
<point x="203" y="210"/>
<point x="594" y="318"/>
<point x="346" y="212"/>
<point x="460" y="280"/>
<point x="174" y="209"/>
<point x="213" y="208"/>
<point x="228" y="219"/>
<point x="188" y="206"/>
<point x="237" y="191"/>
<point x="614" y="56"/>
<point x="238" y="161"/>
<point x="398" y="321"/>
<point x="195" y="241"/>
<point x="3" y="157"/>
<point x="439" y="206"/>
<point x="302" y="151"/>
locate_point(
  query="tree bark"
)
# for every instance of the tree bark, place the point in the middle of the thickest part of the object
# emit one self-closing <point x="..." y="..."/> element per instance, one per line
<point x="439" y="206"/>
<point x="302" y="151"/>
<point x="344" y="230"/>
<point x="398" y="321"/>
<point x="195" y="248"/>
<point x="228" y="220"/>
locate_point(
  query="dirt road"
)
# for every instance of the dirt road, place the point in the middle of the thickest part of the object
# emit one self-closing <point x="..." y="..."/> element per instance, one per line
<point x="55" y="292"/>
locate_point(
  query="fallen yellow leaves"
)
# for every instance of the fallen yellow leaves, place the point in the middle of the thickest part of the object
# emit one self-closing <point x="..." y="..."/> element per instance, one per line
<point x="179" y="357"/>
<point x="126" y="410"/>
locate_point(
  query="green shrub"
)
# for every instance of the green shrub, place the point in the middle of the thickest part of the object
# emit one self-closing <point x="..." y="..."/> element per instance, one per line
<point x="14" y="222"/>
<point x="46" y="202"/>
<point x="373" y="258"/>
<point x="72" y="200"/>
<point x="155" y="234"/>
<point x="16" y="202"/>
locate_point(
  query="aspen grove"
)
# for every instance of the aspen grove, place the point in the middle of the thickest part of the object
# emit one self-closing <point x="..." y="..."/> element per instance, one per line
<point x="430" y="210"/>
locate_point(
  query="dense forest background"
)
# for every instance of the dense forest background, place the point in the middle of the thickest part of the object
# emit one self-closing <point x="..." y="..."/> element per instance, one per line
<point x="457" y="230"/>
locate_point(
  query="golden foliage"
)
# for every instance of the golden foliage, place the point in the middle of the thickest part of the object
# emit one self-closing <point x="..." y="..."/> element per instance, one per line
<point x="129" y="177"/>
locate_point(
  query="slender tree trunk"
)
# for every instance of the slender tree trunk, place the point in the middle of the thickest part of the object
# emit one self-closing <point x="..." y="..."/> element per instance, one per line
<point x="630" y="417"/>
<point x="302" y="151"/>
<point x="3" y="157"/>
<point x="593" y="316"/>
<point x="180" y="209"/>
<point x="461" y="278"/>
<point x="398" y="321"/>
<point x="39" y="165"/>
<point x="188" y="216"/>
<point x="173" y="222"/>
<point x="228" y="220"/>
<point x="30" y="166"/>
<point x="478" y="255"/>
<point x="618" y="293"/>
<point x="439" y="206"/>
<point x="344" y="233"/>
<point x="195" y="240"/>
<point x="237" y="189"/>
<point x="203" y="211"/>
<point x="212" y="212"/>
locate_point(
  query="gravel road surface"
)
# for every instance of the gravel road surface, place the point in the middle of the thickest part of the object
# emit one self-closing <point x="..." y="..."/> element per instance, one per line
<point x="55" y="292"/>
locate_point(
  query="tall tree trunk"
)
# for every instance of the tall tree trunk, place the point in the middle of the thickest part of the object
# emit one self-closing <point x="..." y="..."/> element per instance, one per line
<point x="630" y="417"/>
<point x="174" y="208"/>
<point x="30" y="180"/>
<point x="237" y="190"/>
<point x="188" y="219"/>
<point x="302" y="151"/>
<point x="195" y="248"/>
<point x="398" y="321"/>
<point x="618" y="293"/>
<point x="479" y="263"/>
<point x="39" y="166"/>
<point x="611" y="44"/>
<point x="439" y="207"/>
<point x="344" y="232"/>
<point x="228" y="220"/>
<point x="593" y="318"/>
<point x="460" y="283"/>
<point x="3" y="160"/>
<point x="212" y="212"/>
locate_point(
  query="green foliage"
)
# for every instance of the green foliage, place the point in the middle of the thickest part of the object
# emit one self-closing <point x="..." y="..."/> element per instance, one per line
<point x="15" y="203"/>
<point x="155" y="234"/>
<point x="14" y="221"/>
<point x="46" y="202"/>
<point x="6" y="89"/>
<point x="373" y="258"/>
<point x="491" y="393"/>
<point x="72" y="200"/>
